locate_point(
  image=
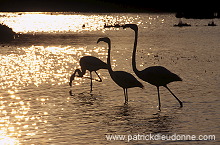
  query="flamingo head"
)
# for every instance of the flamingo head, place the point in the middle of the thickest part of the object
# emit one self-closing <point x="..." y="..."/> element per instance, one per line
<point x="132" y="26"/>
<point x="105" y="39"/>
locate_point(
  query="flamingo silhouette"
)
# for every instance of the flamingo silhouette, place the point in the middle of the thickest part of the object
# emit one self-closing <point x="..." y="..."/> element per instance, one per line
<point x="155" y="75"/>
<point x="121" y="78"/>
<point x="91" y="64"/>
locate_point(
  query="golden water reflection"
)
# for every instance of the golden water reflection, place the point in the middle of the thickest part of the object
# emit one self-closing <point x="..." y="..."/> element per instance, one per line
<point x="25" y="68"/>
<point x="70" y="22"/>
<point x="23" y="116"/>
<point x="22" y="71"/>
<point x="26" y="22"/>
<point x="5" y="140"/>
<point x="40" y="64"/>
<point x="17" y="119"/>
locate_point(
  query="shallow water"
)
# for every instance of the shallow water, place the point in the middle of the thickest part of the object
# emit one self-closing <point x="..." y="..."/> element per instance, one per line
<point x="37" y="106"/>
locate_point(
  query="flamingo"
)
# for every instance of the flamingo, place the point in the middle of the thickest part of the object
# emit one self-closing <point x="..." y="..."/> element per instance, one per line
<point x="121" y="78"/>
<point x="155" y="75"/>
<point x="91" y="64"/>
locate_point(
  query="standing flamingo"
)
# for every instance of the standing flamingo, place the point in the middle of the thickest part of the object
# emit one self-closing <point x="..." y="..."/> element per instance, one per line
<point x="91" y="64"/>
<point x="155" y="75"/>
<point x="121" y="78"/>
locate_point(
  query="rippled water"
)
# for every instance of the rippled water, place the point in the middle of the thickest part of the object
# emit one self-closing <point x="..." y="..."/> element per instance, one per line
<point x="37" y="106"/>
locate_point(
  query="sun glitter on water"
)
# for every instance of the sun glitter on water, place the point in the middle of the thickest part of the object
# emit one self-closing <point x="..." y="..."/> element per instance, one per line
<point x="5" y="140"/>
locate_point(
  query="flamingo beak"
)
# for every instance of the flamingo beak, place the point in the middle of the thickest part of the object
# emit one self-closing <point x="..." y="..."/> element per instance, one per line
<point x="100" y="39"/>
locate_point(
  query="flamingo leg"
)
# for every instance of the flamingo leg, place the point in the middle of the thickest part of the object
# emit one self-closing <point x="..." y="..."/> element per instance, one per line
<point x="181" y="104"/>
<point x="158" y="91"/>
<point x="126" y="96"/>
<point x="91" y="82"/>
<point x="100" y="80"/>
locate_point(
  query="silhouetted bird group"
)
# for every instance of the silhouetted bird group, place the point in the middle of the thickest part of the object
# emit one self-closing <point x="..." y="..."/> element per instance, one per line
<point x="155" y="75"/>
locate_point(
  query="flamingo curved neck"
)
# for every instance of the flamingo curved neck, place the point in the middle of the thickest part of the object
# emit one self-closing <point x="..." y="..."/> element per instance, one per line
<point x="80" y="73"/>
<point x="134" y="53"/>
<point x="108" y="59"/>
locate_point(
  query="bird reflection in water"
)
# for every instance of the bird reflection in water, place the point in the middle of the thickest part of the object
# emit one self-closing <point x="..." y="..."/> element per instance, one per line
<point x="131" y="122"/>
<point x="160" y="123"/>
<point x="84" y="98"/>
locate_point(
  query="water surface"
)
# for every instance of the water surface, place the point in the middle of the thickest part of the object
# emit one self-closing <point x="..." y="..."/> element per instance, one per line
<point x="37" y="106"/>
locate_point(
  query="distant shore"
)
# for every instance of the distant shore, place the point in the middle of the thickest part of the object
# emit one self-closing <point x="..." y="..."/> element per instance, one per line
<point x="6" y="33"/>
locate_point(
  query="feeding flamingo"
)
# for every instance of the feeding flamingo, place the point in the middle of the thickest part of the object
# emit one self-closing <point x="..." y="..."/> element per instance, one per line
<point x="91" y="64"/>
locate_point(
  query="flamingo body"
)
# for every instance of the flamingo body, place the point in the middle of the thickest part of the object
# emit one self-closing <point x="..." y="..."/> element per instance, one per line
<point x="125" y="79"/>
<point x="158" y="76"/>
<point x="92" y="63"/>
